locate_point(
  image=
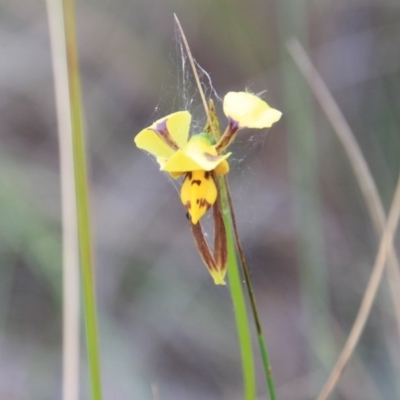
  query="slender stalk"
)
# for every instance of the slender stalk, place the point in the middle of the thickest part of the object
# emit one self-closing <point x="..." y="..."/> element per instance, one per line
<point x="357" y="161"/>
<point x="260" y="335"/>
<point x="238" y="299"/>
<point x="375" y="279"/>
<point x="82" y="200"/>
<point x="71" y="280"/>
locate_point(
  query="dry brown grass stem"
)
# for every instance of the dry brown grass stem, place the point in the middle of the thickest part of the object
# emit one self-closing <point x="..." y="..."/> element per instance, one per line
<point x="357" y="161"/>
<point x="385" y="248"/>
<point x="375" y="209"/>
<point x="71" y="281"/>
<point x="194" y="69"/>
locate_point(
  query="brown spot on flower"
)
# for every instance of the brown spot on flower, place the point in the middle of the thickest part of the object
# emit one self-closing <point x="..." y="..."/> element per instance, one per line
<point x="204" y="203"/>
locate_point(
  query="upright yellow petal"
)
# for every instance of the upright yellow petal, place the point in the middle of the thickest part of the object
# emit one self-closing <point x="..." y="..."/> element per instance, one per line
<point x="249" y="111"/>
<point x="151" y="142"/>
<point x="198" y="193"/>
<point x="150" y="139"/>
<point x="178" y="125"/>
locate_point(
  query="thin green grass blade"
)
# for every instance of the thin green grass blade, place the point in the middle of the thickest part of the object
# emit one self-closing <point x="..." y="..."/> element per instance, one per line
<point x="238" y="301"/>
<point x="267" y="366"/>
<point x="82" y="201"/>
<point x="231" y="226"/>
<point x="239" y="308"/>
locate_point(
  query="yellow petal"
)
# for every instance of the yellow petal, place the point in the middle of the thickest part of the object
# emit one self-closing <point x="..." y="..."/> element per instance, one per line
<point x="178" y="127"/>
<point x="198" y="193"/>
<point x="198" y="154"/>
<point x="149" y="141"/>
<point x="222" y="169"/>
<point x="249" y="111"/>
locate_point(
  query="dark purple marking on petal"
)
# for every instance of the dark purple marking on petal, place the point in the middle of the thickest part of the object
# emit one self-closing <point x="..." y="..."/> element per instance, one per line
<point x="161" y="127"/>
<point x="233" y="125"/>
<point x="162" y="130"/>
<point x="228" y="135"/>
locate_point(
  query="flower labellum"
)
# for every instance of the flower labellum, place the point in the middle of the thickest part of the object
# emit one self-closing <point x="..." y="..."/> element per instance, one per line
<point x="198" y="193"/>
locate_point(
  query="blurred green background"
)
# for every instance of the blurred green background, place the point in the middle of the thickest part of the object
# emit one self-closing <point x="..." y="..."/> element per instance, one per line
<point x="302" y="219"/>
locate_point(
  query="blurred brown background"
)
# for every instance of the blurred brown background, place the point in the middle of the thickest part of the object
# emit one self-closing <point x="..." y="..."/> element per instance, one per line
<point x="302" y="219"/>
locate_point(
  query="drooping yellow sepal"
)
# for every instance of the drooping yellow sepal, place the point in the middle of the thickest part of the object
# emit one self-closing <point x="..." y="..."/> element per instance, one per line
<point x="218" y="276"/>
<point x="198" y="193"/>
<point x="216" y="261"/>
<point x="249" y="111"/>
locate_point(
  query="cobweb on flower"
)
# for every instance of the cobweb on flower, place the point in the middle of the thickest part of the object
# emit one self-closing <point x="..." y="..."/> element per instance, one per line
<point x="179" y="91"/>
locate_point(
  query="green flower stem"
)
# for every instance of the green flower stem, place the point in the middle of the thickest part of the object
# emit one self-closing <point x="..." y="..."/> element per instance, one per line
<point x="260" y="335"/>
<point x="267" y="366"/>
<point x="82" y="201"/>
<point x="238" y="300"/>
<point x="225" y="194"/>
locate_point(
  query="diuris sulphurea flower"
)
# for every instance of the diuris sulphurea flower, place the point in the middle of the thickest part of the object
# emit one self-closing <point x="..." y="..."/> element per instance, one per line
<point x="200" y="159"/>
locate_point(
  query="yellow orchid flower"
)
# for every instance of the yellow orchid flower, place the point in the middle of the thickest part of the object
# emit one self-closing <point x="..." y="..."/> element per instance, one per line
<point x="201" y="158"/>
<point x="167" y="139"/>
